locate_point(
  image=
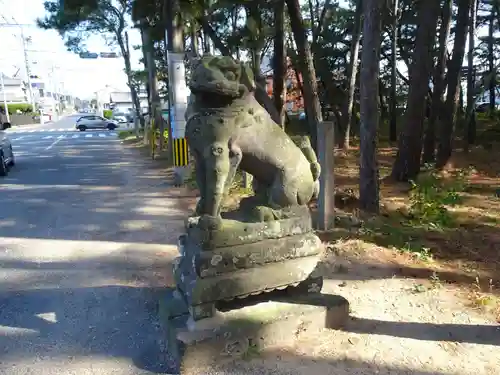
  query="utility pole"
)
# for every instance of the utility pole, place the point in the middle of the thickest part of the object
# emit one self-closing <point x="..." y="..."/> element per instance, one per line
<point x="178" y="91"/>
<point x="55" y="88"/>
<point x="54" y="97"/>
<point x="27" y="66"/>
<point x="5" y="105"/>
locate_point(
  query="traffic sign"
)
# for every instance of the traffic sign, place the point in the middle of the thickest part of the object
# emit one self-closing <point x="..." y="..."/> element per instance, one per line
<point x="108" y="55"/>
<point x="88" y="55"/>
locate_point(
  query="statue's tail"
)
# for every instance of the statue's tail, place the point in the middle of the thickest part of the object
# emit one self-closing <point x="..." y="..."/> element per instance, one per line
<point x="304" y="143"/>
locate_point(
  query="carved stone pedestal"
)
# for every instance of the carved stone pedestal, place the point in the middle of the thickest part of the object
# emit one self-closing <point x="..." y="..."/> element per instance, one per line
<point x="240" y="259"/>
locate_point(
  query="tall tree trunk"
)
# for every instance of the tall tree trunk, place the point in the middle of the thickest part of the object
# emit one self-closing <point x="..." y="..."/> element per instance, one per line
<point x="252" y="11"/>
<point x="310" y="84"/>
<point x="194" y="39"/>
<point x="147" y="58"/>
<point x="234" y="29"/>
<point x="445" y="144"/>
<point x="279" y="61"/>
<point x="382" y="101"/>
<point x="439" y="84"/>
<point x="491" y="60"/>
<point x="153" y="86"/>
<point x="470" y="113"/>
<point x="353" y="72"/>
<point x="393" y="126"/>
<point x="125" y="50"/>
<point x="145" y="63"/>
<point x="407" y="164"/>
<point x="370" y="60"/>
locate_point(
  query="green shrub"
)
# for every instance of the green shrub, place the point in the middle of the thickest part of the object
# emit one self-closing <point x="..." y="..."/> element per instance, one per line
<point x="430" y="195"/>
<point x="23" y="107"/>
<point x="107" y="113"/>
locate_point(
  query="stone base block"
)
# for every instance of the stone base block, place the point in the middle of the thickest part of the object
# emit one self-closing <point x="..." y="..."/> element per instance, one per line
<point x="235" y="232"/>
<point x="245" y="331"/>
<point x="245" y="282"/>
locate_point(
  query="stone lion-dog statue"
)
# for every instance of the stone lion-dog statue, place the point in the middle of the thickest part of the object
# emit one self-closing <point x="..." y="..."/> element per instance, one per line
<point x="227" y="129"/>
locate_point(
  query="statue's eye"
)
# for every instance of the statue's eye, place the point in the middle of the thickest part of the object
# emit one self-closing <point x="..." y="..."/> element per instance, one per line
<point x="216" y="151"/>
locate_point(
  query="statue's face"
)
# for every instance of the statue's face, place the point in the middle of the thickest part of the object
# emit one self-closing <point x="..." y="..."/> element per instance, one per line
<point x="220" y="75"/>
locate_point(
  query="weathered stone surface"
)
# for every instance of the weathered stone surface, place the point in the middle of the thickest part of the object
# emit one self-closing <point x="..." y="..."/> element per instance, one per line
<point x="205" y="344"/>
<point x="230" y="259"/>
<point x="227" y="129"/>
<point x="266" y="244"/>
<point x="233" y="232"/>
<point x="244" y="281"/>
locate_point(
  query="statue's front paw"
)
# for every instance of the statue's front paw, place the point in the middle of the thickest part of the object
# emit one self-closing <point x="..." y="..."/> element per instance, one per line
<point x="315" y="170"/>
<point x="208" y="222"/>
<point x="199" y="207"/>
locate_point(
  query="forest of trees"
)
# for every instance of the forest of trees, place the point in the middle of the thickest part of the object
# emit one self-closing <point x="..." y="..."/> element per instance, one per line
<point x="407" y="72"/>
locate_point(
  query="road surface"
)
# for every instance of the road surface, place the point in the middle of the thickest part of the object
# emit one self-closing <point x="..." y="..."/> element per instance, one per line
<point x="84" y="233"/>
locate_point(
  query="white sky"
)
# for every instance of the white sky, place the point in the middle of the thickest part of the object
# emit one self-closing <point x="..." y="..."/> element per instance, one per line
<point x="81" y="77"/>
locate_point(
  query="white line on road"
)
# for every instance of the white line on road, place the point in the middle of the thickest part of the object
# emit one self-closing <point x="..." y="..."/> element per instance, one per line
<point x="102" y="135"/>
<point x="54" y="143"/>
<point x="76" y="136"/>
<point x="61" y="136"/>
<point x="88" y="136"/>
<point x="52" y="130"/>
<point x="32" y="131"/>
<point x="18" y="138"/>
<point x="47" y="137"/>
<point x="61" y="129"/>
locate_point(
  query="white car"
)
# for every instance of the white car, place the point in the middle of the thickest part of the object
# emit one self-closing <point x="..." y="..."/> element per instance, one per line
<point x="95" y="122"/>
<point x="6" y="154"/>
<point x="120" y="118"/>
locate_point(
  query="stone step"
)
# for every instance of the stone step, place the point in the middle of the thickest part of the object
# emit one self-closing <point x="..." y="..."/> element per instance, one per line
<point x="203" y="346"/>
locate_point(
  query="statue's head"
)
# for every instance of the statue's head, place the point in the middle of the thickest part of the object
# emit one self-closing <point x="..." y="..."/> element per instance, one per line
<point x="221" y="75"/>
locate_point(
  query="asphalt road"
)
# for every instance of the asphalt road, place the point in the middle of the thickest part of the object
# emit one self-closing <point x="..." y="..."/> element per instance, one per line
<point x="82" y="233"/>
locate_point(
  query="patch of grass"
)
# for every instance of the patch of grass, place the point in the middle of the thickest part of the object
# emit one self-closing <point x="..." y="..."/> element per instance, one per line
<point x="485" y="300"/>
<point x="444" y="222"/>
<point x="431" y="194"/>
<point x="124" y="134"/>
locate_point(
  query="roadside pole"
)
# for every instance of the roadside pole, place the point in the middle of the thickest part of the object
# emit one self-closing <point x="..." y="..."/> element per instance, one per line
<point x="178" y="91"/>
<point x="178" y="97"/>
<point x="326" y="199"/>
<point x="5" y="105"/>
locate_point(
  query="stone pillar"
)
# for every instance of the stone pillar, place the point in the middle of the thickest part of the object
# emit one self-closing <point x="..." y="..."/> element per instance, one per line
<point x="326" y="199"/>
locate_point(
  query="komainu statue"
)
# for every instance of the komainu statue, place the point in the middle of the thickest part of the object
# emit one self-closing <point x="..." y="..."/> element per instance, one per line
<point x="227" y="129"/>
<point x="268" y="243"/>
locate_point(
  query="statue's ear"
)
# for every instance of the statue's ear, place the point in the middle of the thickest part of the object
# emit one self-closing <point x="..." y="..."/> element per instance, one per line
<point x="247" y="79"/>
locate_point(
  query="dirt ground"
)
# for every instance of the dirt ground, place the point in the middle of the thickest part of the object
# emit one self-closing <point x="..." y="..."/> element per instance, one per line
<point x="422" y="302"/>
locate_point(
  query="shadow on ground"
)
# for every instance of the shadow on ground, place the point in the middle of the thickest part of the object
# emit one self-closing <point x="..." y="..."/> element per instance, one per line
<point x="93" y="191"/>
<point x="241" y="354"/>
<point x="110" y="321"/>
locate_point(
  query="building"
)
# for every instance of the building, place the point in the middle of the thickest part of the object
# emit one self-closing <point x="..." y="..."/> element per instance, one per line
<point x="120" y="100"/>
<point x="15" y="90"/>
<point x="294" y="100"/>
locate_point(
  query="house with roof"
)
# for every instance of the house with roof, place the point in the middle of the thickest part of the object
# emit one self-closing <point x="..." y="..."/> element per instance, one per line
<point x="14" y="90"/>
<point x="121" y="100"/>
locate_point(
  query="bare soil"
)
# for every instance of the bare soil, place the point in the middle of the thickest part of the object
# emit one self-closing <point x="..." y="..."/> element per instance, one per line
<point x="414" y="310"/>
